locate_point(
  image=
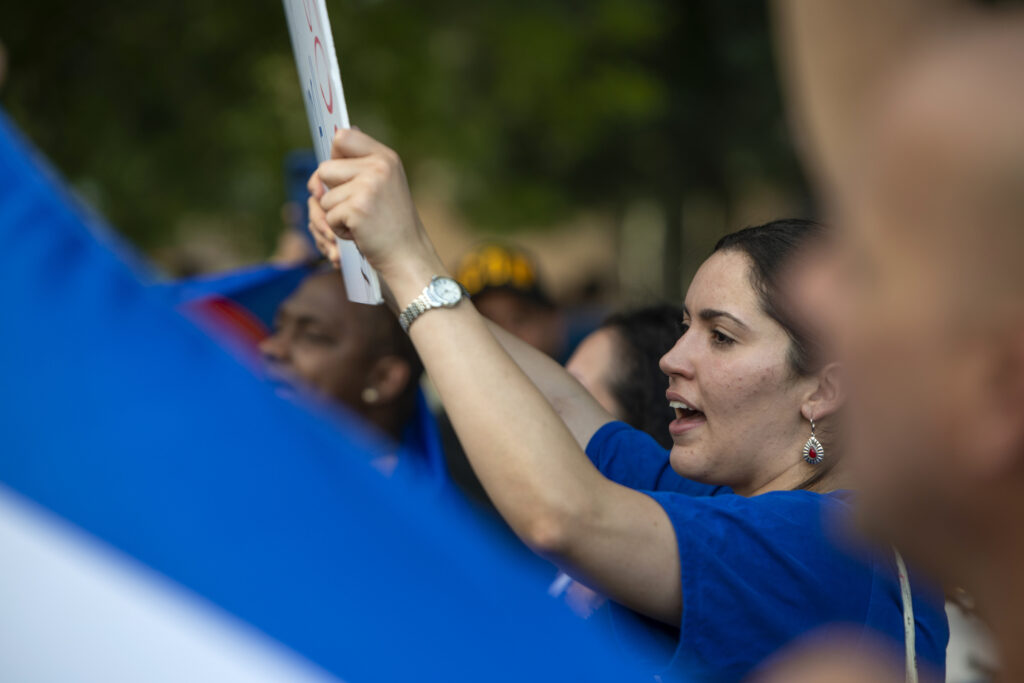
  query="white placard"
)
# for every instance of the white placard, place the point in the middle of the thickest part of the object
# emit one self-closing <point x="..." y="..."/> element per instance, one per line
<point x="320" y="79"/>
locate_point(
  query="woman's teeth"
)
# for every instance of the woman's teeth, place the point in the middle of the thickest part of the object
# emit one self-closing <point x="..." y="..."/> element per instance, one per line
<point x="683" y="410"/>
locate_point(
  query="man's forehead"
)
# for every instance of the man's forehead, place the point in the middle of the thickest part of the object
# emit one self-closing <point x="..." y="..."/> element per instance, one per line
<point x="320" y="296"/>
<point x="948" y="131"/>
<point x="940" y="191"/>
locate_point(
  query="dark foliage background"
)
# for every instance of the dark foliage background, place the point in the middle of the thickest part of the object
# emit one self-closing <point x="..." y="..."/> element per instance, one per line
<point x="174" y="114"/>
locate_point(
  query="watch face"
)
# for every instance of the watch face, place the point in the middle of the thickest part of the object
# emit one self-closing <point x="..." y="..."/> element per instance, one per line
<point x="446" y="290"/>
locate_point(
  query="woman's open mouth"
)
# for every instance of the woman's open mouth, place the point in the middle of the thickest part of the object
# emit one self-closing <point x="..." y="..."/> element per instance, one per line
<point x="687" y="418"/>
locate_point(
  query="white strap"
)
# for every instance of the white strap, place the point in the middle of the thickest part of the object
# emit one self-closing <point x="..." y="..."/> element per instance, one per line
<point x="559" y="585"/>
<point x="909" y="627"/>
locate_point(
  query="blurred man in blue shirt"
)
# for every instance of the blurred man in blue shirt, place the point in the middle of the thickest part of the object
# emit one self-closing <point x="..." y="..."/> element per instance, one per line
<point x="326" y="347"/>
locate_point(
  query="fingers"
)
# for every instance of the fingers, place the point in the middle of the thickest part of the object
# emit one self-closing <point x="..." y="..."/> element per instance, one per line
<point x="337" y="171"/>
<point x="363" y="184"/>
<point x="327" y="220"/>
<point x="322" y="234"/>
<point x="352" y="142"/>
<point x="329" y="250"/>
<point x="315" y="186"/>
<point x="336" y="176"/>
<point x="317" y="219"/>
<point x="336" y="196"/>
<point x="342" y="218"/>
<point x="322" y="245"/>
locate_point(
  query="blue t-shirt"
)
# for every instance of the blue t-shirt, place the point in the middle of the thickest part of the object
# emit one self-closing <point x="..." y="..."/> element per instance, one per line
<point x="761" y="571"/>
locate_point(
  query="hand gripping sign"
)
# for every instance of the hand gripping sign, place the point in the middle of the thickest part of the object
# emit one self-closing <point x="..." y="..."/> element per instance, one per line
<point x="320" y="79"/>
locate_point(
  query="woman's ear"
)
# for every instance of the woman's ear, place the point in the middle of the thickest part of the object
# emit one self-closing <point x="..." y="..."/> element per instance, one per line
<point x="828" y="396"/>
<point x="390" y="376"/>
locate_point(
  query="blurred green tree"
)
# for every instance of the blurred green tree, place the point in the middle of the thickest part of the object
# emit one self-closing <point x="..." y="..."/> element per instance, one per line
<point x="161" y="113"/>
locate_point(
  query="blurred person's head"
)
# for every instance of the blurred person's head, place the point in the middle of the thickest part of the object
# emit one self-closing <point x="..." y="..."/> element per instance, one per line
<point x="505" y="286"/>
<point x="937" y="327"/>
<point x="344" y="352"/>
<point x="746" y="377"/>
<point x="618" y="364"/>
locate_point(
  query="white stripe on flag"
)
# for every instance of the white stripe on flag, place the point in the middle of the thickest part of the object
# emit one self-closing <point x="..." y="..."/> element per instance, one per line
<point x="72" y="609"/>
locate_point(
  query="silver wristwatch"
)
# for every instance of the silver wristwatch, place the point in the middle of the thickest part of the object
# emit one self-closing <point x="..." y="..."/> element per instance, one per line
<point x="442" y="292"/>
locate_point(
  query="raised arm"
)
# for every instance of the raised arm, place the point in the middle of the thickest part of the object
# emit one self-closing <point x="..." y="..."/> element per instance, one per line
<point x="580" y="411"/>
<point x="528" y="460"/>
<point x="836" y="55"/>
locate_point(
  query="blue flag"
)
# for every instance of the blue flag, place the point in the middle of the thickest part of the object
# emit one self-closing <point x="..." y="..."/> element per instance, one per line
<point x="164" y="516"/>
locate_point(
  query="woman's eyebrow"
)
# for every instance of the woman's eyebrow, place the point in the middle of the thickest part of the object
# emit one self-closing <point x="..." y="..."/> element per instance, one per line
<point x="709" y="314"/>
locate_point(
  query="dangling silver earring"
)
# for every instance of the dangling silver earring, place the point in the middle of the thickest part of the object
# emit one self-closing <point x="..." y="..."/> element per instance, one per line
<point x="814" y="452"/>
<point x="370" y="395"/>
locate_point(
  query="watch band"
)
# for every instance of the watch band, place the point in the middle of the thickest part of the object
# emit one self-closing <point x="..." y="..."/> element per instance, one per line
<point x="428" y="300"/>
<point x="418" y="307"/>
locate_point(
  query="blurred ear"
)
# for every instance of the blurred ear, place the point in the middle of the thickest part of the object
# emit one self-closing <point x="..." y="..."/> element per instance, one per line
<point x="827" y="396"/>
<point x="390" y="376"/>
<point x="997" y="436"/>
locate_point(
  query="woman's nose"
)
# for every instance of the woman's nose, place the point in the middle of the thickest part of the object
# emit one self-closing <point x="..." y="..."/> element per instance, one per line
<point x="678" y="360"/>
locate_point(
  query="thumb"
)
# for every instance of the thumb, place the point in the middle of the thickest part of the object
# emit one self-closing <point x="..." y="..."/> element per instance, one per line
<point x="352" y="142"/>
